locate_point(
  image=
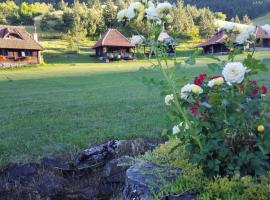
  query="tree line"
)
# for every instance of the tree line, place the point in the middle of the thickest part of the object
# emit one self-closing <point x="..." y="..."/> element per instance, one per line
<point x="91" y="18"/>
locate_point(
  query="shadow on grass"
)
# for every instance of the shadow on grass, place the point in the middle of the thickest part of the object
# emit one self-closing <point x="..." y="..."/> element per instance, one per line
<point x="64" y="58"/>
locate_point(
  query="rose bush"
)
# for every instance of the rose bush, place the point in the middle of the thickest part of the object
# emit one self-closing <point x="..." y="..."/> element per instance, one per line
<point x="222" y="120"/>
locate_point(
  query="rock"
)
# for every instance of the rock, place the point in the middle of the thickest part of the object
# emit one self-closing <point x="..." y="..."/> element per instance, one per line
<point x="51" y="162"/>
<point x="21" y="172"/>
<point x="98" y="155"/>
<point x="113" y="176"/>
<point x="185" y="196"/>
<point x="51" y="185"/>
<point x="143" y="179"/>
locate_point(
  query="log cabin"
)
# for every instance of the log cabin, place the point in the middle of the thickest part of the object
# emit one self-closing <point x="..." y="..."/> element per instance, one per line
<point x="262" y="39"/>
<point x="113" y="45"/>
<point x="18" y="47"/>
<point x="215" y="44"/>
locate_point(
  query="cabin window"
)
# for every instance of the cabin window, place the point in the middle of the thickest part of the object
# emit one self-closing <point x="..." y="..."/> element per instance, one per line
<point x="3" y="52"/>
<point x="25" y="53"/>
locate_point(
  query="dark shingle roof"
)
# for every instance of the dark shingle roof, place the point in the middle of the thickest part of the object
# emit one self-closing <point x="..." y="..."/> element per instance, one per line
<point x="21" y="40"/>
<point x="113" y="38"/>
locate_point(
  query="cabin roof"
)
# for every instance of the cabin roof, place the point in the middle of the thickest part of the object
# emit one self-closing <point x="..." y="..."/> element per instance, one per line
<point x="218" y="38"/>
<point x="112" y="37"/>
<point x="260" y="33"/>
<point x="21" y="38"/>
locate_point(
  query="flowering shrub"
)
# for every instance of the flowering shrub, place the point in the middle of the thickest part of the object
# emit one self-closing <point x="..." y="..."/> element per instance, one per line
<point x="222" y="120"/>
<point x="230" y="116"/>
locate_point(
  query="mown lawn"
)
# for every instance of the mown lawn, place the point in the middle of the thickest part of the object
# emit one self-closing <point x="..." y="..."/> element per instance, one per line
<point x="59" y="107"/>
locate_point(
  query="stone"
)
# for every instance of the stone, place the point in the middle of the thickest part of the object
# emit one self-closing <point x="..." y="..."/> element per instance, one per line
<point x="99" y="155"/>
<point x="185" y="196"/>
<point x="143" y="179"/>
<point x="96" y="155"/>
<point x="51" y="162"/>
<point x="51" y="185"/>
<point x="113" y="176"/>
<point x="21" y="172"/>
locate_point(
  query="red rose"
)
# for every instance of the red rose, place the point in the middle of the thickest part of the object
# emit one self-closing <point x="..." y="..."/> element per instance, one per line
<point x="193" y="108"/>
<point x="255" y="90"/>
<point x="264" y="89"/>
<point x="199" y="80"/>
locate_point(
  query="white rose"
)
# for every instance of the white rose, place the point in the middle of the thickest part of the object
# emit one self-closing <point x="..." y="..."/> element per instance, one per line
<point x="229" y="26"/>
<point x="176" y="129"/>
<point x="133" y="8"/>
<point x="185" y="91"/>
<point x="169" y="99"/>
<point x="164" y="9"/>
<point x="234" y="72"/>
<point x="216" y="81"/>
<point x="188" y="88"/>
<point x="151" y="12"/>
<point x="121" y="15"/>
<point x="245" y="35"/>
<point x="266" y="28"/>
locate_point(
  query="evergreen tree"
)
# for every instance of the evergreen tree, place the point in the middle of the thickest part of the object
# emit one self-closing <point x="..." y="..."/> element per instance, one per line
<point x="109" y="14"/>
<point x="206" y="23"/>
<point x="246" y="20"/>
<point x="237" y="20"/>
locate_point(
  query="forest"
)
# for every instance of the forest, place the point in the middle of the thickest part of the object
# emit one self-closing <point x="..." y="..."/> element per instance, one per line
<point x="252" y="8"/>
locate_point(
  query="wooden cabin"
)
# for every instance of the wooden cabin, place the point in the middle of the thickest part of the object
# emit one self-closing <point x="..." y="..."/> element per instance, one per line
<point x="18" y="47"/>
<point x="165" y="38"/>
<point x="113" y="45"/>
<point x="215" y="44"/>
<point x="262" y="38"/>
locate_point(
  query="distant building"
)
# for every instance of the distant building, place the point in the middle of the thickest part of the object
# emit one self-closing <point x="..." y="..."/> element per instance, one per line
<point x="113" y="45"/>
<point x="262" y="38"/>
<point x="168" y="41"/>
<point x="215" y="44"/>
<point x="18" y="47"/>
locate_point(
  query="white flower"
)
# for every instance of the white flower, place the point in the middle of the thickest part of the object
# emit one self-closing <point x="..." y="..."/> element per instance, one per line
<point x="176" y="129"/>
<point x="169" y="99"/>
<point x="134" y="8"/>
<point x="168" y="18"/>
<point x="245" y="35"/>
<point x="216" y="81"/>
<point x="266" y="28"/>
<point x="185" y="91"/>
<point x="229" y="26"/>
<point x="163" y="9"/>
<point x="137" y="39"/>
<point x="188" y="88"/>
<point x="234" y="72"/>
<point x="122" y="14"/>
<point x="151" y="12"/>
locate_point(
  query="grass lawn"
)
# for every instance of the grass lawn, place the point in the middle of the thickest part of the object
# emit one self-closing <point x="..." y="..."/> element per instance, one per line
<point x="74" y="104"/>
<point x="262" y="20"/>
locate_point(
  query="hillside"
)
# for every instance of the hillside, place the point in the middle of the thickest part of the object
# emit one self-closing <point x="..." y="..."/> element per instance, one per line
<point x="262" y="20"/>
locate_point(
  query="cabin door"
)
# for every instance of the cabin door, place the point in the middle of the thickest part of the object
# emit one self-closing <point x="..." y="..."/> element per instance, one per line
<point x="266" y="43"/>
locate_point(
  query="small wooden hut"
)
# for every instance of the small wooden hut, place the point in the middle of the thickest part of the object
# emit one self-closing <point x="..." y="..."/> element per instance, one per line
<point x="215" y="44"/>
<point x="262" y="38"/>
<point x="18" y="47"/>
<point x="113" y="45"/>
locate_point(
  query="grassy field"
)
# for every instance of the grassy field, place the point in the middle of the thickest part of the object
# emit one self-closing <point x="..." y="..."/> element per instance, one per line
<point x="74" y="101"/>
<point x="262" y="20"/>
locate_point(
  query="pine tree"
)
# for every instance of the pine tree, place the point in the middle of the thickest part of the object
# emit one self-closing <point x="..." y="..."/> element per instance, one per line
<point x="246" y="20"/>
<point x="237" y="20"/>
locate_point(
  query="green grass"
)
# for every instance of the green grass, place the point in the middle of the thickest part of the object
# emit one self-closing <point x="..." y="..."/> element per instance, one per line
<point x="262" y="20"/>
<point x="71" y="103"/>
